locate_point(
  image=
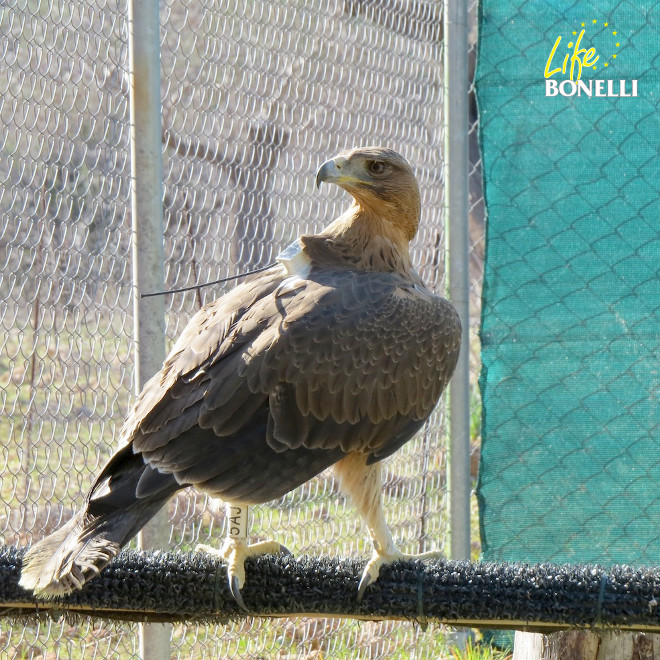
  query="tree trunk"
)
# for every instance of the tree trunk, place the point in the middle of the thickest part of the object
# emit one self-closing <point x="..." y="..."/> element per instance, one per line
<point x="586" y="645"/>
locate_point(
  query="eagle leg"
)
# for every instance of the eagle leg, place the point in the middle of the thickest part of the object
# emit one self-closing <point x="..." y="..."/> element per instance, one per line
<point x="235" y="550"/>
<point x="363" y="483"/>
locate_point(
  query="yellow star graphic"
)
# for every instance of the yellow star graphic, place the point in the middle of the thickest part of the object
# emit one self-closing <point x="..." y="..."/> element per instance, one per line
<point x="574" y="32"/>
<point x="617" y="45"/>
<point x="594" y="67"/>
<point x="614" y="33"/>
<point x="614" y="56"/>
<point x="594" y="21"/>
<point x="606" y="24"/>
<point x="582" y="24"/>
<point x="605" y="64"/>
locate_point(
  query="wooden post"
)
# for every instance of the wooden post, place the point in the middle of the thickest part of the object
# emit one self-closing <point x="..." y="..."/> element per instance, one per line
<point x="586" y="645"/>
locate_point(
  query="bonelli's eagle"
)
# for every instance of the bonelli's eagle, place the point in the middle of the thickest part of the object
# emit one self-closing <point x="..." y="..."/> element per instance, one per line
<point x="335" y="356"/>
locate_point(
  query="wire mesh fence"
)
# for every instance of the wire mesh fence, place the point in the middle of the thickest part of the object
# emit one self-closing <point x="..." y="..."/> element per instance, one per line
<point x="255" y="96"/>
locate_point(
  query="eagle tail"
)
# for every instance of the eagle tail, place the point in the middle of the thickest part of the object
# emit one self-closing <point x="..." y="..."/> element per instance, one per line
<point x="127" y="494"/>
<point x="65" y="560"/>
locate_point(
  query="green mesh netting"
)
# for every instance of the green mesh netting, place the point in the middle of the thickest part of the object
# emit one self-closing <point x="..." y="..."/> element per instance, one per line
<point x="570" y="332"/>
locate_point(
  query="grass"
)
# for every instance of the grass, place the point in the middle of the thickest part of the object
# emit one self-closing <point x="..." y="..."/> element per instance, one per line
<point x="291" y="638"/>
<point x="477" y="651"/>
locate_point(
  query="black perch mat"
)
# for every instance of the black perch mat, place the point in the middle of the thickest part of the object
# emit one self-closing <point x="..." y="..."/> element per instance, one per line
<point x="147" y="586"/>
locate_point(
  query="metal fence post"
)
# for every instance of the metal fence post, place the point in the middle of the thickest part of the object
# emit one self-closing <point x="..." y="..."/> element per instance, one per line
<point x="148" y="252"/>
<point x="456" y="191"/>
<point x="456" y="182"/>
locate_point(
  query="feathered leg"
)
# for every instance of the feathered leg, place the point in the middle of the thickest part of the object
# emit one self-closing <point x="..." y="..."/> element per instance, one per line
<point x="235" y="550"/>
<point x="363" y="483"/>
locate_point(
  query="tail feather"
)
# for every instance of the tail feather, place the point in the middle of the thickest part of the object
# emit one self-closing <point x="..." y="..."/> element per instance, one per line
<point x="65" y="560"/>
<point x="116" y="510"/>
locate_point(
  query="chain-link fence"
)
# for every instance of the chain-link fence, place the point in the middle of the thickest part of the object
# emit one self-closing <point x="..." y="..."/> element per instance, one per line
<point x="255" y="96"/>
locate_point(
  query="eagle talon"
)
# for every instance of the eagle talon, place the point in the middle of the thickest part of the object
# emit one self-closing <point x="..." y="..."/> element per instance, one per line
<point x="378" y="560"/>
<point x="234" y="587"/>
<point x="234" y="552"/>
<point x="365" y="581"/>
<point x="372" y="569"/>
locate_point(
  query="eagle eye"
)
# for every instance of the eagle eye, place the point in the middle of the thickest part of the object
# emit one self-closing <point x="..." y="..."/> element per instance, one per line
<point x="376" y="167"/>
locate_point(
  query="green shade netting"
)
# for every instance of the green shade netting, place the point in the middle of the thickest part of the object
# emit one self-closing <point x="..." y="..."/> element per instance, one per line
<point x="570" y="331"/>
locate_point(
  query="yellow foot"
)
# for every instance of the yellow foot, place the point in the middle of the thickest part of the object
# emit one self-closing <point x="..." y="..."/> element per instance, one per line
<point x="234" y="552"/>
<point x="378" y="559"/>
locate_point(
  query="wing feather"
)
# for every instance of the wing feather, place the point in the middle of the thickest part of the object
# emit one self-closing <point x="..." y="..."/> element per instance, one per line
<point x="346" y="361"/>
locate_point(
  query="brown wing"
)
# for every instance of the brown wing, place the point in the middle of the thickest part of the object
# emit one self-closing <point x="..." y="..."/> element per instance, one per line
<point x="342" y="361"/>
<point x="358" y="349"/>
<point x="216" y="336"/>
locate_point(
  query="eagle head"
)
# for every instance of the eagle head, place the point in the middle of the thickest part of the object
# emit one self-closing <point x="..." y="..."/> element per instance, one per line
<point x="381" y="183"/>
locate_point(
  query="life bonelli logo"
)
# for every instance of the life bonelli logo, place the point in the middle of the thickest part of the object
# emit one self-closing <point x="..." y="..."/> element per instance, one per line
<point x="591" y="48"/>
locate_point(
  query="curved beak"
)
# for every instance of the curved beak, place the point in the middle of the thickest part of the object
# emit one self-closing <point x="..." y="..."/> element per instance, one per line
<point x="331" y="171"/>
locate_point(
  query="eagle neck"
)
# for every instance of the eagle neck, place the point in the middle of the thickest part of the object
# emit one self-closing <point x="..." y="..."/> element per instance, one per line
<point x="371" y="241"/>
